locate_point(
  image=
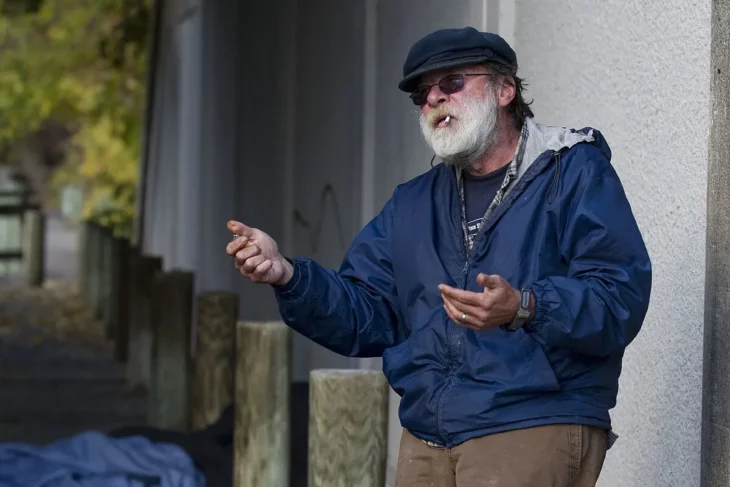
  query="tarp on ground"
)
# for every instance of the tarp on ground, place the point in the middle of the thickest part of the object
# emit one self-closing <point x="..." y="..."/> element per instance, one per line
<point x="92" y="459"/>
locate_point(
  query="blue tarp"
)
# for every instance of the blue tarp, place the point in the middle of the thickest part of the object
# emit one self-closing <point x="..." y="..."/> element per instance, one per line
<point x="93" y="459"/>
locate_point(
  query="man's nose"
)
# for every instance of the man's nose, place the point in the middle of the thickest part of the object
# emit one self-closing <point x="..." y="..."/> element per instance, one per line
<point x="436" y="96"/>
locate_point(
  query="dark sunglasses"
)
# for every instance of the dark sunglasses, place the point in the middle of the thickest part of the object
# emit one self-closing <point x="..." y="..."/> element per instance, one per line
<point x="448" y="85"/>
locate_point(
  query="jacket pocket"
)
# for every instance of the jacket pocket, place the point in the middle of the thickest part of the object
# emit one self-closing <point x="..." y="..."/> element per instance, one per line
<point x="518" y="368"/>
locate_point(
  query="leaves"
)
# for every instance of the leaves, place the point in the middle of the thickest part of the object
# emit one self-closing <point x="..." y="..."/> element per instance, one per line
<point x="81" y="63"/>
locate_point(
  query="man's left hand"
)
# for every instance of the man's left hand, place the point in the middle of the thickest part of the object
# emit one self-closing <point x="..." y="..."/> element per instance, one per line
<point x="497" y="305"/>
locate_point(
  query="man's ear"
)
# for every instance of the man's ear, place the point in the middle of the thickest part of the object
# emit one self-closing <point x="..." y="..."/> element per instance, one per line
<point x="506" y="93"/>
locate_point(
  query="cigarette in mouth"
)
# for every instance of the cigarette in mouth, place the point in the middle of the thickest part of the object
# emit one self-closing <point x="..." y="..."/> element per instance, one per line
<point x="447" y="120"/>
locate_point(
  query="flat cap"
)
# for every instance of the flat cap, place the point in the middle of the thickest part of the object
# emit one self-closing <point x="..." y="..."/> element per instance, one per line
<point x="449" y="48"/>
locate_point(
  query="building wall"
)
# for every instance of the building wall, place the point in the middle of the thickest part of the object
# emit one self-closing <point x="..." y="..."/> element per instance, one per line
<point x="640" y="72"/>
<point x="317" y="105"/>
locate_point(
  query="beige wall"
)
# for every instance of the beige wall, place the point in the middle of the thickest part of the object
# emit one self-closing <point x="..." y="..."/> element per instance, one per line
<point x="640" y="72"/>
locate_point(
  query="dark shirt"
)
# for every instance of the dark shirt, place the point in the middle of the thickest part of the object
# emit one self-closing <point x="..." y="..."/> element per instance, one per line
<point x="479" y="191"/>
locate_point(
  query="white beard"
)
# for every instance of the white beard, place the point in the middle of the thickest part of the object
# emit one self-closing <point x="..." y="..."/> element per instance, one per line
<point x="471" y="134"/>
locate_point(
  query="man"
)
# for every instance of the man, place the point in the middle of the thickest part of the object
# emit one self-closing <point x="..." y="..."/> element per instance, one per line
<point x="501" y="287"/>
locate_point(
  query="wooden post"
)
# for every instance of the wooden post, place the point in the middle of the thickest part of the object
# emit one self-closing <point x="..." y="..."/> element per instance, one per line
<point x="142" y="270"/>
<point x="33" y="247"/>
<point x="112" y="270"/>
<point x="172" y="308"/>
<point x="94" y="258"/>
<point x="84" y="237"/>
<point x="104" y="260"/>
<point x="263" y="378"/>
<point x="348" y="427"/>
<point x="215" y="354"/>
<point x="119" y="302"/>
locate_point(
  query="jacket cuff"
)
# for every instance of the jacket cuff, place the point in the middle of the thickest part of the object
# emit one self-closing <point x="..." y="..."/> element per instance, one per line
<point x="296" y="286"/>
<point x="543" y="304"/>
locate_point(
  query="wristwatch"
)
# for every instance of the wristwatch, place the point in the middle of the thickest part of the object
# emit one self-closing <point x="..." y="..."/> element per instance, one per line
<point x="523" y="312"/>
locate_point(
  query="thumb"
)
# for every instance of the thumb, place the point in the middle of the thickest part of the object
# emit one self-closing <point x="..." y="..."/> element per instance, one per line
<point x="489" y="281"/>
<point x="240" y="229"/>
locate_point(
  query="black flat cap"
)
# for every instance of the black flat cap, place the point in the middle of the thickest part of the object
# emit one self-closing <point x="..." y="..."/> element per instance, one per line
<point x="449" y="48"/>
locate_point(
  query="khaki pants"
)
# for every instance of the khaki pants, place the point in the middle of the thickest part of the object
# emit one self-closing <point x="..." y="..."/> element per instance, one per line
<point x="544" y="456"/>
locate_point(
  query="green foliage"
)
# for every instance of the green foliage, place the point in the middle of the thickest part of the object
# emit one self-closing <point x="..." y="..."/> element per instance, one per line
<point x="81" y="63"/>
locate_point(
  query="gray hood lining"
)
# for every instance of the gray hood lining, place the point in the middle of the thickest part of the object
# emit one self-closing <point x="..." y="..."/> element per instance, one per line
<point x="542" y="137"/>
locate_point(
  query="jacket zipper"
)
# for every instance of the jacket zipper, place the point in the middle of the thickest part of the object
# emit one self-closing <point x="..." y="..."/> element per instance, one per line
<point x="468" y="255"/>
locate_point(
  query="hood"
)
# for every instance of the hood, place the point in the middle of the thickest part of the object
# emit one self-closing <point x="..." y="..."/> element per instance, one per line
<point x="543" y="138"/>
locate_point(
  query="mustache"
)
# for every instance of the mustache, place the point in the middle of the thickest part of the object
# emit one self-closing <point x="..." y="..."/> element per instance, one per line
<point x="435" y="114"/>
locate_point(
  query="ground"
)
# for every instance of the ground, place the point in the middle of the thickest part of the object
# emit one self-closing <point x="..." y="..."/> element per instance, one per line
<point x="58" y="376"/>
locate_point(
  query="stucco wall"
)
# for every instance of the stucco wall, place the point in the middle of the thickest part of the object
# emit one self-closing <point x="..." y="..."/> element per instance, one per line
<point x="639" y="72"/>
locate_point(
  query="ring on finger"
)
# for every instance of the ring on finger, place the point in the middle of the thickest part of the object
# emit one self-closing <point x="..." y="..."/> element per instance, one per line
<point x="463" y="316"/>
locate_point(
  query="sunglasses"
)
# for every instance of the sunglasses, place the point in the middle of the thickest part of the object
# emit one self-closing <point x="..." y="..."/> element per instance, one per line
<point x="448" y="85"/>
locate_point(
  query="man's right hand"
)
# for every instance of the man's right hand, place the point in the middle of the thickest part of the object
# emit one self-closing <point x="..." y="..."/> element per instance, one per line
<point x="257" y="256"/>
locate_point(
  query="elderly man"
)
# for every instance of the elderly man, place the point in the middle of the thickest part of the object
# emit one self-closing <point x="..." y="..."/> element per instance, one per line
<point x="501" y="287"/>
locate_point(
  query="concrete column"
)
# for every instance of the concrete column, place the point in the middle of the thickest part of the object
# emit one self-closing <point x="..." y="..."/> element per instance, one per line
<point x="190" y="154"/>
<point x="716" y="367"/>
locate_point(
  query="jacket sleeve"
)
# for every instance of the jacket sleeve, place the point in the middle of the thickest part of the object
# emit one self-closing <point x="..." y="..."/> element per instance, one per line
<point x="599" y="306"/>
<point x="352" y="312"/>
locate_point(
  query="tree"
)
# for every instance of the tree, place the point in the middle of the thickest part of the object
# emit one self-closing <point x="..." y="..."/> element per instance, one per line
<point x="80" y="63"/>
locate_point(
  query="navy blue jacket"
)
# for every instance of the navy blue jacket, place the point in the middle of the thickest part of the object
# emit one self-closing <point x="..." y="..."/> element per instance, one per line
<point x="565" y="230"/>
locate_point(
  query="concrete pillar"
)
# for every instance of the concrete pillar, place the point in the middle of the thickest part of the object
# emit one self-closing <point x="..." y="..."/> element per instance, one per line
<point x="169" y="399"/>
<point x="348" y="426"/>
<point x="263" y="376"/>
<point x="190" y="155"/>
<point x="716" y="368"/>
<point x="215" y="352"/>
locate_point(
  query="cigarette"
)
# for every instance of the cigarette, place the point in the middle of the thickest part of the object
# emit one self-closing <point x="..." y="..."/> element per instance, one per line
<point x="448" y="119"/>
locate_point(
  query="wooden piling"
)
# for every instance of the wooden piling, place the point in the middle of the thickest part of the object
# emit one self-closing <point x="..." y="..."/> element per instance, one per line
<point x="84" y="237"/>
<point x="142" y="270"/>
<point x="34" y="230"/>
<point x="104" y="259"/>
<point x="263" y="379"/>
<point x="94" y="257"/>
<point x="348" y="426"/>
<point x="172" y="308"/>
<point x="215" y="354"/>
<point x="119" y="303"/>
